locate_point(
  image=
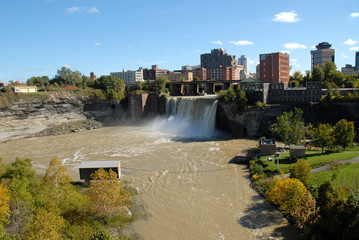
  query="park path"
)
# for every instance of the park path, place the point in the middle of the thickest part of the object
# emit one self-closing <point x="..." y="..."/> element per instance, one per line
<point x="327" y="167"/>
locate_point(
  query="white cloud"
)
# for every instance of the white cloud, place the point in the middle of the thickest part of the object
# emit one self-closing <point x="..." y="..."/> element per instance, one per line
<point x="350" y="42"/>
<point x="251" y="61"/>
<point x="198" y="51"/>
<point x="0" y="77"/>
<point x="241" y="43"/>
<point x="354" y="14"/>
<point x="294" y="46"/>
<point x="286" y="17"/>
<point x="82" y="10"/>
<point x="285" y="51"/>
<point x="354" y="48"/>
<point x="293" y="60"/>
<point x="73" y="10"/>
<point x="344" y="56"/>
<point x="139" y="61"/>
<point x="97" y="43"/>
<point x="93" y="10"/>
<point x="145" y="42"/>
<point x="69" y="66"/>
<point x="217" y="42"/>
<point x="313" y="47"/>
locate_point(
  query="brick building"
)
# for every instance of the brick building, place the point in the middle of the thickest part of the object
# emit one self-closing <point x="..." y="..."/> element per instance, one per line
<point x="274" y="68"/>
<point x="223" y="73"/>
<point x="153" y="73"/>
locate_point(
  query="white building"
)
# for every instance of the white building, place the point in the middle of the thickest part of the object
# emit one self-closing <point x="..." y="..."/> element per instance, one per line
<point x="128" y="76"/>
<point x="243" y="60"/>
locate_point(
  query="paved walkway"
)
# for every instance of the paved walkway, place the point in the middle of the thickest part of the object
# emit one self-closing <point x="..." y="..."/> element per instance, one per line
<point x="327" y="167"/>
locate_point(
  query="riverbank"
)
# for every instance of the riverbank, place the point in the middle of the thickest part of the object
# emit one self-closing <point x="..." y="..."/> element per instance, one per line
<point x="63" y="128"/>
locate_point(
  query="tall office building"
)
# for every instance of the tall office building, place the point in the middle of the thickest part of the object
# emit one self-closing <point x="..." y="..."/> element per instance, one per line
<point x="243" y="60"/>
<point x="217" y="58"/>
<point x="322" y="55"/>
<point x="274" y="68"/>
<point x="357" y="61"/>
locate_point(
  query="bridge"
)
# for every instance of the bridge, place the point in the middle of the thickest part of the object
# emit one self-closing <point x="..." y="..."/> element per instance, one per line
<point x="199" y="87"/>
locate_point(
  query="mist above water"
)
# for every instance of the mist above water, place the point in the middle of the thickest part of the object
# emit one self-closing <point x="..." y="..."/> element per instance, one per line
<point x="188" y="117"/>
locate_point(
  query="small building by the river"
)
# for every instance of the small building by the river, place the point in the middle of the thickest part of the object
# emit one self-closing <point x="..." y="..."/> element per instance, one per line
<point x="296" y="151"/>
<point x="25" y="89"/>
<point x="89" y="167"/>
<point x="267" y="147"/>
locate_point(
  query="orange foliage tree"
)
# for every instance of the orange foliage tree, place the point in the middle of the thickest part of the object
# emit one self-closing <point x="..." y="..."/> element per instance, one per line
<point x="4" y="204"/>
<point x="108" y="194"/>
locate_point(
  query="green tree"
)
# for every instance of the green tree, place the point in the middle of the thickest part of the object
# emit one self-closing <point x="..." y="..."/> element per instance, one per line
<point x="65" y="76"/>
<point x="300" y="170"/>
<point x="317" y="74"/>
<point x="328" y="70"/>
<point x="107" y="194"/>
<point x="323" y="136"/>
<point x="344" y="133"/>
<point x="20" y="169"/>
<point x="297" y="76"/>
<point x="196" y="79"/>
<point x="20" y="205"/>
<point x="112" y="86"/>
<point x="39" y="82"/>
<point x="290" y="128"/>
<point x="160" y="83"/>
<point x="308" y="76"/>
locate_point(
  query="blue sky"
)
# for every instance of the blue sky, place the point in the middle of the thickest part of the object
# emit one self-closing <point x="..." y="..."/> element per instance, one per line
<point x="37" y="37"/>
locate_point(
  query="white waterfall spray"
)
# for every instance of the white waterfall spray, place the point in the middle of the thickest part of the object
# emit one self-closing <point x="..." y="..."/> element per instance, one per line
<point x="188" y="117"/>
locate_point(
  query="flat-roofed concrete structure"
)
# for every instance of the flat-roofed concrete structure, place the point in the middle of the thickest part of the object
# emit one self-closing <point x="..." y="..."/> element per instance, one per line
<point x="267" y="147"/>
<point x="296" y="151"/>
<point x="89" y="167"/>
<point x="25" y="89"/>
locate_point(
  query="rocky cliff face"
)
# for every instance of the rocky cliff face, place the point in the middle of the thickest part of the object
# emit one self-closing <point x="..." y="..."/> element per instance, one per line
<point x="31" y="115"/>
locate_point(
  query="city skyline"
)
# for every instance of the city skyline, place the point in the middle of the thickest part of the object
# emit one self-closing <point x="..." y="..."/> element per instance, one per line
<point x="41" y="36"/>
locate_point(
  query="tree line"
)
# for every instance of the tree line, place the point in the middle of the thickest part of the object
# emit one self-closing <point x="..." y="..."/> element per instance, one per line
<point x="52" y="207"/>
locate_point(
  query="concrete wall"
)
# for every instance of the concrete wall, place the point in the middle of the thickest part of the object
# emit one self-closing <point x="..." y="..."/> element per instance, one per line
<point x="145" y="105"/>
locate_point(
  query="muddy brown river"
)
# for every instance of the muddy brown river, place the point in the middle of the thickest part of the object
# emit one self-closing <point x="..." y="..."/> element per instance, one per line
<point x="187" y="186"/>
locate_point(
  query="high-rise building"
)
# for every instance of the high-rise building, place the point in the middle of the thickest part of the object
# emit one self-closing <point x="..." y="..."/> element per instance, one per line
<point x="357" y="61"/>
<point x="217" y="58"/>
<point x="243" y="60"/>
<point x="129" y="76"/>
<point x="322" y="55"/>
<point x="274" y="68"/>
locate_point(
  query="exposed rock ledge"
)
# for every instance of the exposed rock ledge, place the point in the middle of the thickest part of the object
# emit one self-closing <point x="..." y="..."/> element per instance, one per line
<point x="32" y="115"/>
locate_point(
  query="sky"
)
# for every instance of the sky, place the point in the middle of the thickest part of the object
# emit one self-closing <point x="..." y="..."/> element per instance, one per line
<point x="38" y="37"/>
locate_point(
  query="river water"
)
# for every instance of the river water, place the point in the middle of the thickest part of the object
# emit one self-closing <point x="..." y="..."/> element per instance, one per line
<point x="187" y="186"/>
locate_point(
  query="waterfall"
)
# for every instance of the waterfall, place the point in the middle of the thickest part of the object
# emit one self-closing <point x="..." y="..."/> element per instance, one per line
<point x="188" y="117"/>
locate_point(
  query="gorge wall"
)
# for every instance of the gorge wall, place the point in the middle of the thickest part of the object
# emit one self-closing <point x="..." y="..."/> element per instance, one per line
<point x="31" y="115"/>
<point x="254" y="122"/>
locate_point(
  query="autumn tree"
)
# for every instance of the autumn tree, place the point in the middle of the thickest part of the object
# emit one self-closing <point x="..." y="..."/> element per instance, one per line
<point x="344" y="133"/>
<point x="293" y="199"/>
<point x="323" y="136"/>
<point x="300" y="170"/>
<point x="56" y="174"/>
<point x="4" y="205"/>
<point x="44" y="225"/>
<point x="65" y="76"/>
<point x="107" y="194"/>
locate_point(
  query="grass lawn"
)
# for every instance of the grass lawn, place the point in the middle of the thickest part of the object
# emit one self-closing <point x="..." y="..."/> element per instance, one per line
<point x="315" y="158"/>
<point x="347" y="174"/>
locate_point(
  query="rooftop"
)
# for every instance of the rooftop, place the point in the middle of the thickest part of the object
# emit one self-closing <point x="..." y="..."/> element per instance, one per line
<point x="100" y="164"/>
